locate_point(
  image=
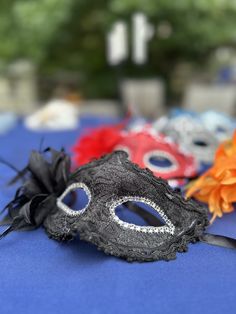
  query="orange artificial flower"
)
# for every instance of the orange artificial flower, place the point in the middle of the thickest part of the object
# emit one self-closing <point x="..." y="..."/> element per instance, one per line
<point x="217" y="186"/>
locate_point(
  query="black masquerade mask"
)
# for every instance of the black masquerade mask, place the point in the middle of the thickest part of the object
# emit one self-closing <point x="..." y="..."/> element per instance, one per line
<point x="109" y="182"/>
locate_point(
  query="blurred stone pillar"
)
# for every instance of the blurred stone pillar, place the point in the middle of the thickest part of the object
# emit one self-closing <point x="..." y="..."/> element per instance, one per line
<point x="202" y="97"/>
<point x="145" y="97"/>
<point x="22" y="78"/>
<point x="5" y="94"/>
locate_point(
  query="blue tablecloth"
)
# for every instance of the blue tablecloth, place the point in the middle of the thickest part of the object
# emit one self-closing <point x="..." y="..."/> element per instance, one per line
<point x="38" y="275"/>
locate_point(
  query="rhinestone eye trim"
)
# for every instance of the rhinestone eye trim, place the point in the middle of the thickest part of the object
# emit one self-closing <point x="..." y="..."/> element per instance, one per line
<point x="168" y="228"/>
<point x="159" y="153"/>
<point x="67" y="209"/>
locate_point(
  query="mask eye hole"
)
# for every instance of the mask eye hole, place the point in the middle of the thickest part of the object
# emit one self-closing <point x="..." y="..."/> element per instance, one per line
<point x="200" y="143"/>
<point x="220" y="129"/>
<point x="160" y="161"/>
<point x="75" y="199"/>
<point x="139" y="214"/>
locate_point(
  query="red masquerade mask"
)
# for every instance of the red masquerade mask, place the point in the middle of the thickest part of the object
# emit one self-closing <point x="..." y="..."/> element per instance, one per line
<point x="156" y="152"/>
<point x="159" y="154"/>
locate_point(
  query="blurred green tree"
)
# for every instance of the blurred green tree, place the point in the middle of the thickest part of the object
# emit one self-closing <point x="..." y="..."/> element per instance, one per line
<point x="70" y="35"/>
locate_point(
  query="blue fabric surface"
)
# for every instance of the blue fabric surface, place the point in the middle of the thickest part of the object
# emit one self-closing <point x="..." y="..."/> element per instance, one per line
<point x="38" y="275"/>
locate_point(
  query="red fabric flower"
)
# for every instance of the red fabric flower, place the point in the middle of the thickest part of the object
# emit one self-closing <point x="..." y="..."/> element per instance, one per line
<point x="96" y="143"/>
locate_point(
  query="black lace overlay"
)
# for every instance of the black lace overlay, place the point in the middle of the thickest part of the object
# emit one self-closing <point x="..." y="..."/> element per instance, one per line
<point x="114" y="178"/>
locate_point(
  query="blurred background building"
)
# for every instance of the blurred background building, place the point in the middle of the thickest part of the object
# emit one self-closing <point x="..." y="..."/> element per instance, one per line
<point x="57" y="48"/>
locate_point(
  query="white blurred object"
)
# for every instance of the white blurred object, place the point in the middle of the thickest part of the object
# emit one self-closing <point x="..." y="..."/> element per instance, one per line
<point x="57" y="115"/>
<point x="117" y="47"/>
<point x="142" y="33"/>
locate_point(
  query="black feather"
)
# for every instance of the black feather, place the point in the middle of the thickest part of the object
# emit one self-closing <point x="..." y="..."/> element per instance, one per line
<point x="45" y="178"/>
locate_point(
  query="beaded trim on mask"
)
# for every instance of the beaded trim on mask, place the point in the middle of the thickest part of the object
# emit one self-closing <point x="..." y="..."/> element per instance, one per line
<point x="168" y="228"/>
<point x="66" y="208"/>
